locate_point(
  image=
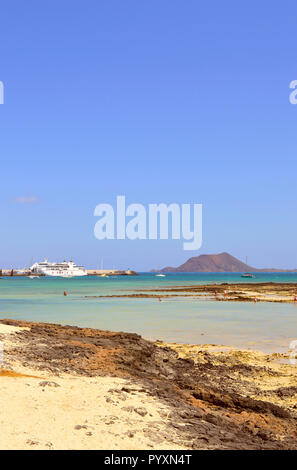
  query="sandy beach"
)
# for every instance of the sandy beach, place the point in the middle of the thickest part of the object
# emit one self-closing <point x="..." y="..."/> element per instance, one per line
<point x="71" y="388"/>
<point x="65" y="411"/>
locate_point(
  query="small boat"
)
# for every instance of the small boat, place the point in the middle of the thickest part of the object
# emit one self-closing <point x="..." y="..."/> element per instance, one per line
<point x="160" y="275"/>
<point x="33" y="277"/>
<point x="249" y="275"/>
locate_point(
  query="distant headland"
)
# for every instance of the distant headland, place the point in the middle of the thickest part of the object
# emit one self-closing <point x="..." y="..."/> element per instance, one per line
<point x="220" y="263"/>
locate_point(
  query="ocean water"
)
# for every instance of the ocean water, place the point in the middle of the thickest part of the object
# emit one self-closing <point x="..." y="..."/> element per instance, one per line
<point x="265" y="326"/>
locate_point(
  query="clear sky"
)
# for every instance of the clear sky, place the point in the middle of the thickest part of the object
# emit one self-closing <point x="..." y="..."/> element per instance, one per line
<point x="161" y="101"/>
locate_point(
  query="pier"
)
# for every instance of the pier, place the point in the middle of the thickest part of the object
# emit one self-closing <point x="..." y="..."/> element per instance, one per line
<point x="110" y="272"/>
<point x="17" y="273"/>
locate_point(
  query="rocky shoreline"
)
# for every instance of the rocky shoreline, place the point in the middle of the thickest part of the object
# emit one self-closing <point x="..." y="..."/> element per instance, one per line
<point x="206" y="397"/>
<point x="240" y="292"/>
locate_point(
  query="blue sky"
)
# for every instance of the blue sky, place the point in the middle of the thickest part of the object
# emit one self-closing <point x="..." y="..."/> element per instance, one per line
<point x="161" y="101"/>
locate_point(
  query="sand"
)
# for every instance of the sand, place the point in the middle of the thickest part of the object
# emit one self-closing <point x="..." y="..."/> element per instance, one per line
<point x="66" y="412"/>
<point x="8" y="329"/>
<point x="64" y="387"/>
<point x="77" y="413"/>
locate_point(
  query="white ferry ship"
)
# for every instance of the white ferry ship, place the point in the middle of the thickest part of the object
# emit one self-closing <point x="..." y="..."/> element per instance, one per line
<point x="65" y="269"/>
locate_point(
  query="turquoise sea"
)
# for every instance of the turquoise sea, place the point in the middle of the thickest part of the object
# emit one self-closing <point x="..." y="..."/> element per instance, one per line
<point x="266" y="326"/>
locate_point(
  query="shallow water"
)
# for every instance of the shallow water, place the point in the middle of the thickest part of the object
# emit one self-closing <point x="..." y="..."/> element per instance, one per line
<point x="265" y="326"/>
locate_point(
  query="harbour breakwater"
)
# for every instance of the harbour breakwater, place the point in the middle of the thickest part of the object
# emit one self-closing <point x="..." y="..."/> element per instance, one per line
<point x="110" y="272"/>
<point x="17" y="273"/>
